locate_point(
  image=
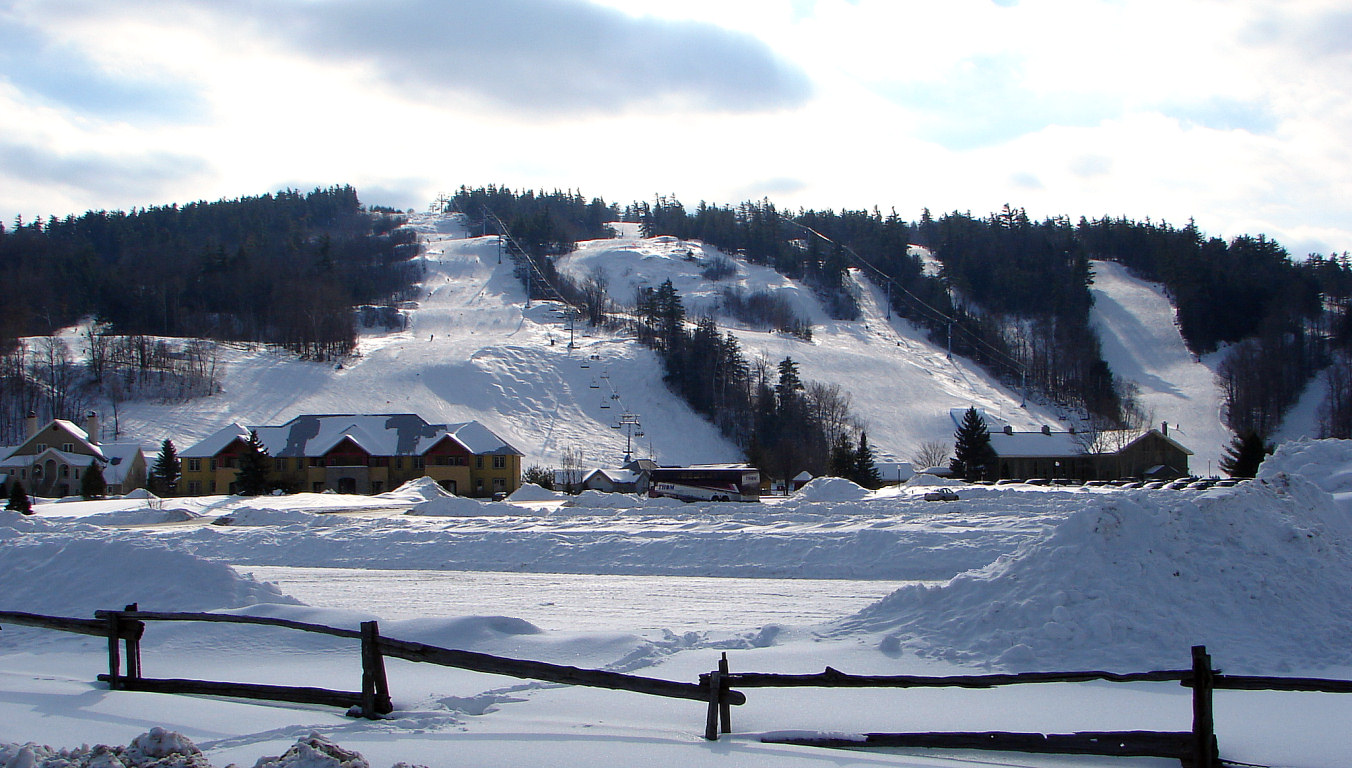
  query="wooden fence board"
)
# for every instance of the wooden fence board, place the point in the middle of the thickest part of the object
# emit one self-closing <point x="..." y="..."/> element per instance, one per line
<point x="95" y="627"/>
<point x="225" y="618"/>
<point x="294" y="694"/>
<point x="539" y="670"/>
<point x="1107" y="743"/>
<point x="1305" y="684"/>
<point x="833" y="678"/>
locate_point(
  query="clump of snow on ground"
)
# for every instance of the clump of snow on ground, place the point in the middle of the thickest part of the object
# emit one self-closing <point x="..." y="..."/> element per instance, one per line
<point x="145" y="516"/>
<point x="75" y="576"/>
<point x="420" y="489"/>
<point x="140" y="493"/>
<point x="454" y="506"/>
<point x="161" y="748"/>
<point x="533" y="492"/>
<point x="1257" y="572"/>
<point x="599" y="500"/>
<point x="831" y="489"/>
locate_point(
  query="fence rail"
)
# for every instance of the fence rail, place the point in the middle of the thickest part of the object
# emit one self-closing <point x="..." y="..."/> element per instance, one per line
<point x="1196" y="748"/>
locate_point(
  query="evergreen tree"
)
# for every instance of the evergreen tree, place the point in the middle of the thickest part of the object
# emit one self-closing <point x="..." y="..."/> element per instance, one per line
<point x="842" y="457"/>
<point x="18" y="499"/>
<point x="973" y="456"/>
<point x="254" y="467"/>
<point x="92" y="485"/>
<point x="1245" y="454"/>
<point x="865" y="472"/>
<point x="165" y="473"/>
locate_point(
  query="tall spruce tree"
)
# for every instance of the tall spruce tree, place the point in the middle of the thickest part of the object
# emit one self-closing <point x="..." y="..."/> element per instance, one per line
<point x="92" y="484"/>
<point x="865" y="471"/>
<point x="973" y="456"/>
<point x="165" y="473"/>
<point x="254" y="467"/>
<point x="1245" y="455"/>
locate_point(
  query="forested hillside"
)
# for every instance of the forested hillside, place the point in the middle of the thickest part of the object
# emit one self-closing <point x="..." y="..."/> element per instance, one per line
<point x="284" y="269"/>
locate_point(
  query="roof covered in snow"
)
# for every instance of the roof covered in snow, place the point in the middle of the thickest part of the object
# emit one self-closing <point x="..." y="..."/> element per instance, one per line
<point x="387" y="434"/>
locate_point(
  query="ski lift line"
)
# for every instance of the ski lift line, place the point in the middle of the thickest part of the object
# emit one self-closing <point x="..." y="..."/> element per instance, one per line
<point x="937" y="313"/>
<point x="529" y="261"/>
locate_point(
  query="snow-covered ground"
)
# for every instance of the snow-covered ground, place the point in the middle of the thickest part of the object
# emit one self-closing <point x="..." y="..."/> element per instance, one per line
<point x="1027" y="578"/>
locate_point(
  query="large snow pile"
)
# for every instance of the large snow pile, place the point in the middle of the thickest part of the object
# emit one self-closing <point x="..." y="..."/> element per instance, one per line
<point x="419" y="489"/>
<point x="1326" y="463"/>
<point x="75" y="576"/>
<point x="533" y="492"/>
<point x="831" y="489"/>
<point x="600" y="500"/>
<point x="1259" y="573"/>
<point x="256" y="516"/>
<point x="143" y="516"/>
<point x="455" y="506"/>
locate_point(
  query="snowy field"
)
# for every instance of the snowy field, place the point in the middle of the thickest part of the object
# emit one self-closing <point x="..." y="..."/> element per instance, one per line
<point x="1021" y="578"/>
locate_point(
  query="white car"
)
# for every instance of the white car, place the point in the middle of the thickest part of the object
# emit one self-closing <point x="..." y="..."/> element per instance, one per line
<point x="942" y="494"/>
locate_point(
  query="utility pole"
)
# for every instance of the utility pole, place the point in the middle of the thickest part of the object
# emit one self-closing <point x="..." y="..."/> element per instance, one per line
<point x="629" y="421"/>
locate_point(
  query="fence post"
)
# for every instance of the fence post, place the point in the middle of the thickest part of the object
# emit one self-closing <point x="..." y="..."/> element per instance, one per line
<point x="714" y="682"/>
<point x="114" y="655"/>
<point x="375" y="688"/>
<point x="724" y="706"/>
<point x="1205" y="751"/>
<point x="133" y="645"/>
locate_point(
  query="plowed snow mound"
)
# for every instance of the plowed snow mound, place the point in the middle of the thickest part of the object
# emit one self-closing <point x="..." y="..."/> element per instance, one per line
<point x="831" y="489"/>
<point x="533" y="492"/>
<point x="1326" y="463"/>
<point x="77" y="576"/>
<point x="1258" y="573"/>
<point x="455" y="506"/>
<point x="421" y="489"/>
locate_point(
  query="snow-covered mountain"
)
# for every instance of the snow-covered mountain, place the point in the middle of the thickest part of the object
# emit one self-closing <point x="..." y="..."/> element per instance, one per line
<point x="474" y="350"/>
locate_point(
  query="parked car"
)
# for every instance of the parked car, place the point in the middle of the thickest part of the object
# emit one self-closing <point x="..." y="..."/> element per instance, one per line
<point x="941" y="494"/>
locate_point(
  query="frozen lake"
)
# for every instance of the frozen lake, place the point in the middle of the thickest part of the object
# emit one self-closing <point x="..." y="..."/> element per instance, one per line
<point x="579" y="602"/>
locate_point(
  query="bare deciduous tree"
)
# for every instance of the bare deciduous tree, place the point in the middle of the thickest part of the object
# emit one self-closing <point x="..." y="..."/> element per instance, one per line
<point x="931" y="453"/>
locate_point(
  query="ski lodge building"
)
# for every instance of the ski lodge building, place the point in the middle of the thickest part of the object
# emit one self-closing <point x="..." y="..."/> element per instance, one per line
<point x="359" y="453"/>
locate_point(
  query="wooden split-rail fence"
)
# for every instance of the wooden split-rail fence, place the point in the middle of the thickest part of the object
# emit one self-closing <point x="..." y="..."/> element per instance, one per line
<point x="1195" y="748"/>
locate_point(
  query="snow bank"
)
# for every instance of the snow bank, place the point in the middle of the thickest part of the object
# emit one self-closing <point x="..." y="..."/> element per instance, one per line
<point x="453" y="506"/>
<point x="256" y="516"/>
<point x="69" y="576"/>
<point x="1326" y="463"/>
<point x="533" y="492"/>
<point x="831" y="489"/>
<point x="143" y="516"/>
<point x="601" y="500"/>
<point x="140" y="493"/>
<point x="1257" y="572"/>
<point x="925" y="479"/>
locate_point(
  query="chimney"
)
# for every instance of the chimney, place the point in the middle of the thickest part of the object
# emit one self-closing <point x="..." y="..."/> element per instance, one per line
<point x="1164" y="427"/>
<point x="1009" y="430"/>
<point x="1046" y="430"/>
<point x="30" y="423"/>
<point x="92" y="427"/>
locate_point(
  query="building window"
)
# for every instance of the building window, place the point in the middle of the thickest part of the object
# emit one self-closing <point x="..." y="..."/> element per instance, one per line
<point x="499" y="484"/>
<point x="398" y="463"/>
<point x="478" y="462"/>
<point x="194" y="465"/>
<point x="65" y="471"/>
<point x="213" y="466"/>
<point x="42" y="447"/>
<point x="499" y="462"/>
<point x="68" y="447"/>
<point x="194" y="488"/>
<point x="419" y="462"/>
<point x="37" y="471"/>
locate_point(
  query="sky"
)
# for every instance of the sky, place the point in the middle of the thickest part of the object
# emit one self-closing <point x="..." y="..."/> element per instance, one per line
<point x="1233" y="113"/>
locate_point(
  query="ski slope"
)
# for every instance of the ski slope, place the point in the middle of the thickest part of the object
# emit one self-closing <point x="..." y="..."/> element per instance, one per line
<point x="1142" y="344"/>
<point x="901" y="385"/>
<point x="473" y="350"/>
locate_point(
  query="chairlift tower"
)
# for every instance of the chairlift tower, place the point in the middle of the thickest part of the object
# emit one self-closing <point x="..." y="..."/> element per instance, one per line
<point x="632" y="428"/>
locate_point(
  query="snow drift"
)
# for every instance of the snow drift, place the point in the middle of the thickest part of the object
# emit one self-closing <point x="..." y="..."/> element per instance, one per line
<point x="1257" y="572"/>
